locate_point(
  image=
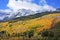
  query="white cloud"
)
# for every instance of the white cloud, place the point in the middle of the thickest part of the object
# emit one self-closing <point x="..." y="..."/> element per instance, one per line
<point x="43" y="2"/>
<point x="26" y="4"/>
<point x="26" y="0"/>
<point x="1" y="18"/>
<point x="6" y="10"/>
<point x="48" y="8"/>
<point x="15" y="5"/>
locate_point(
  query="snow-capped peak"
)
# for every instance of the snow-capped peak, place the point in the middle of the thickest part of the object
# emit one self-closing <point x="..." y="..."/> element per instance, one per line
<point x="19" y="13"/>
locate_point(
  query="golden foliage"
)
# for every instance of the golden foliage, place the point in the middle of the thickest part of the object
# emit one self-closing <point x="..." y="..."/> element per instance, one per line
<point x="23" y="26"/>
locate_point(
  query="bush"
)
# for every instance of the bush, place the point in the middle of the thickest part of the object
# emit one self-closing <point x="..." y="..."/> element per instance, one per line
<point x="30" y="33"/>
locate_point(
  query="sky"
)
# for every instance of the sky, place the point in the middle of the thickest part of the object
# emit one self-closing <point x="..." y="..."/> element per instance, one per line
<point x="10" y="4"/>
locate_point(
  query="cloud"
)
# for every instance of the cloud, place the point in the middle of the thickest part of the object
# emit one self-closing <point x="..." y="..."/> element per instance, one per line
<point x="6" y="10"/>
<point x="1" y="18"/>
<point x="26" y="0"/>
<point x="27" y="4"/>
<point x="15" y="5"/>
<point x="42" y="2"/>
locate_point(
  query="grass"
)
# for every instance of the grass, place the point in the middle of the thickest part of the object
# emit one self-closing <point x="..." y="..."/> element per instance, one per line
<point x="31" y="27"/>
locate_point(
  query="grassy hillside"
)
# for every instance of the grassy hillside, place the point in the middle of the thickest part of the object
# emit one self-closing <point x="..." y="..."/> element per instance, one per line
<point x="38" y="24"/>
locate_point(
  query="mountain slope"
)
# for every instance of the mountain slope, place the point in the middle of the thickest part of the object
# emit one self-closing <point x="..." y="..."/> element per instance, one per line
<point x="39" y="23"/>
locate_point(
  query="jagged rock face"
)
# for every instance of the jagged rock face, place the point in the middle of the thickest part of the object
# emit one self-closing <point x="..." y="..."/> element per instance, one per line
<point x="18" y="13"/>
<point x="24" y="12"/>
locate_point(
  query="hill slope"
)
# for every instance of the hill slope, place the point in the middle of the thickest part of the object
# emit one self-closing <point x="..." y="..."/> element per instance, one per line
<point x="19" y="26"/>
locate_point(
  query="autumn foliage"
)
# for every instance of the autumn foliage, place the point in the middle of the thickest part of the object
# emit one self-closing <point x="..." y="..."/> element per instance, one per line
<point x="44" y="22"/>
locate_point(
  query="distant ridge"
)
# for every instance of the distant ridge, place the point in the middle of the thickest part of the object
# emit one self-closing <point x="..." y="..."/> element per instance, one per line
<point x="37" y="15"/>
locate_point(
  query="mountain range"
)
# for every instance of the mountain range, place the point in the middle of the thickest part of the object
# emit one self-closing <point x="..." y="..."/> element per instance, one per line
<point x="4" y="16"/>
